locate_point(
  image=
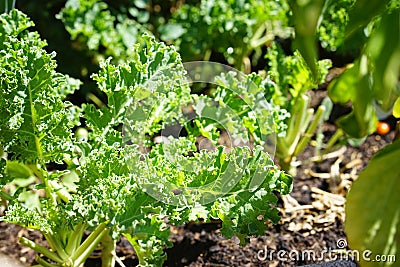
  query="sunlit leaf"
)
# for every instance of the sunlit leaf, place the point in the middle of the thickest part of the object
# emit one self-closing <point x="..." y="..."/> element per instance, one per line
<point x="383" y="48"/>
<point x="396" y="109"/>
<point x="372" y="210"/>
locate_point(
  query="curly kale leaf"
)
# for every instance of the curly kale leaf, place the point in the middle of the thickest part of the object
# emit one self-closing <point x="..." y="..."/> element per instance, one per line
<point x="93" y="24"/>
<point x="109" y="192"/>
<point x="196" y="182"/>
<point x="34" y="121"/>
<point x="232" y="28"/>
<point x="242" y="106"/>
<point x="149" y="237"/>
<point x="29" y="218"/>
<point x="144" y="94"/>
<point x="292" y="76"/>
<point x="246" y="208"/>
<point x="251" y="98"/>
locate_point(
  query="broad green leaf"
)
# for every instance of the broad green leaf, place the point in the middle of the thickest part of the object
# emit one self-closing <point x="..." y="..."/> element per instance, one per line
<point x="306" y="17"/>
<point x="396" y="109"/>
<point x="363" y="13"/>
<point x="372" y="209"/>
<point x="383" y="48"/>
<point x="354" y="85"/>
<point x="373" y="78"/>
<point x="16" y="169"/>
<point x="341" y="90"/>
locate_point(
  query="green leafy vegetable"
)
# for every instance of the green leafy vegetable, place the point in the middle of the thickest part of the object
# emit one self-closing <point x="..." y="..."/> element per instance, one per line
<point x="232" y="28"/>
<point x="34" y="121"/>
<point x="116" y="181"/>
<point x="94" y="25"/>
<point x="293" y="79"/>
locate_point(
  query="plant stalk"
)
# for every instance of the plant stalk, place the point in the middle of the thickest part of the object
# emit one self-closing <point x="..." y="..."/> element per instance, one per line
<point x="75" y="239"/>
<point x="47" y="253"/>
<point x="44" y="263"/>
<point x="332" y="141"/>
<point x="137" y="249"/>
<point x="108" y="250"/>
<point x="56" y="246"/>
<point x="310" y="130"/>
<point x="84" y="250"/>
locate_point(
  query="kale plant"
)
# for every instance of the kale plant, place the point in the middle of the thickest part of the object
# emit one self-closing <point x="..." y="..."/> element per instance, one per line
<point x="115" y="181"/>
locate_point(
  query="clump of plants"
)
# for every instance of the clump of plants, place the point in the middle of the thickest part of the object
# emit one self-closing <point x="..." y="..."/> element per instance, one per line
<point x="371" y="85"/>
<point x="70" y="170"/>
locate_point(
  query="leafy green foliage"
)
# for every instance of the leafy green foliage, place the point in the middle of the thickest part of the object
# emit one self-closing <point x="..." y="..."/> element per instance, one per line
<point x="292" y="76"/>
<point x="114" y="185"/>
<point x="97" y="28"/>
<point x="214" y="183"/>
<point x="363" y="13"/>
<point x="396" y="108"/>
<point x="374" y="190"/>
<point x="293" y="79"/>
<point x="373" y="77"/>
<point x="237" y="103"/>
<point x="372" y="80"/>
<point x="144" y="95"/>
<point x="331" y="31"/>
<point x="34" y="121"/>
<point x="232" y="28"/>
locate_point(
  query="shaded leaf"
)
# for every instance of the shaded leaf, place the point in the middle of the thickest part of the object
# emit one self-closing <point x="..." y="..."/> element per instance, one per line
<point x="354" y="85"/>
<point x="306" y="17"/>
<point x="363" y="13"/>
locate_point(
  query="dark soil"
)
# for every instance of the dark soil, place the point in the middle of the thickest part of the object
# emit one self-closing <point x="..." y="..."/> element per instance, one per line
<point x="312" y="219"/>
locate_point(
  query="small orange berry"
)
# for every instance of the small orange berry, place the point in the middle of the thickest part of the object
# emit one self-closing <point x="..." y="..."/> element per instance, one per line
<point x="382" y="128"/>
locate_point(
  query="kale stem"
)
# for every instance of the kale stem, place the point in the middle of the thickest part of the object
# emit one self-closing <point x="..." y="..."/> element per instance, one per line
<point x="137" y="249"/>
<point x="332" y="141"/>
<point x="74" y="239"/>
<point x="56" y="246"/>
<point x="38" y="171"/>
<point x="310" y="130"/>
<point x="108" y="251"/>
<point x="49" y="254"/>
<point x="84" y="250"/>
<point x="44" y="263"/>
<point x="5" y="196"/>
